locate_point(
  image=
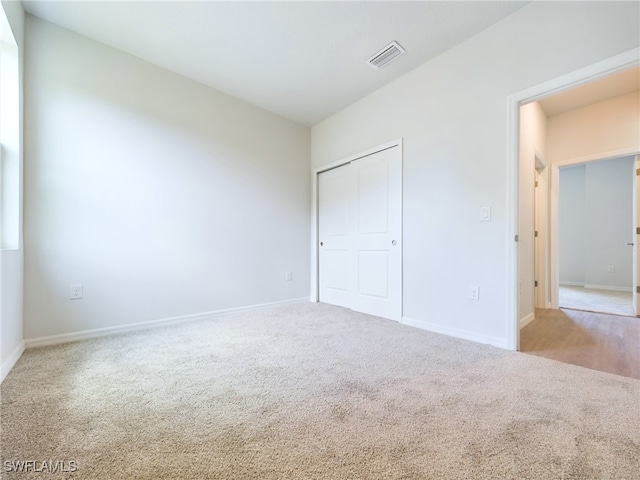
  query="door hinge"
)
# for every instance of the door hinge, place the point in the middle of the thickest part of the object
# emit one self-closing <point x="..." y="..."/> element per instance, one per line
<point x="535" y="284"/>
<point x="638" y="289"/>
<point x="637" y="230"/>
<point x="536" y="234"/>
<point x="516" y="238"/>
<point x="638" y="171"/>
<point x="535" y="184"/>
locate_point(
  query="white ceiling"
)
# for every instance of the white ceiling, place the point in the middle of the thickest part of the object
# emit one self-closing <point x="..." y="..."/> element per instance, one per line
<point x="302" y="60"/>
<point x="599" y="90"/>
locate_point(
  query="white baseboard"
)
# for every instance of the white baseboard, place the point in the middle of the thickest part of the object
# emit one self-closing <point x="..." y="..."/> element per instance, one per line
<point x="596" y="287"/>
<point x="526" y="320"/>
<point x="9" y="363"/>
<point x="103" y="332"/>
<point x="455" y="332"/>
<point x="609" y="287"/>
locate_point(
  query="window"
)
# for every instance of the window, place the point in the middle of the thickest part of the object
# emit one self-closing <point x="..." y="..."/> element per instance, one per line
<point x="9" y="137"/>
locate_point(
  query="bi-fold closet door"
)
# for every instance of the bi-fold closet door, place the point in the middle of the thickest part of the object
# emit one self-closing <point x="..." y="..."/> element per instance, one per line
<point x="360" y="234"/>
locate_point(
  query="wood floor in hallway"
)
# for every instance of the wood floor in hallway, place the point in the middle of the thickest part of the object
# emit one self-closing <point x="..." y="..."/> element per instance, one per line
<point x="609" y="343"/>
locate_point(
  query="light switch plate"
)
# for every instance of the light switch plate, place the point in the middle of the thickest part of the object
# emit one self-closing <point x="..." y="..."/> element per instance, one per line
<point x="485" y="214"/>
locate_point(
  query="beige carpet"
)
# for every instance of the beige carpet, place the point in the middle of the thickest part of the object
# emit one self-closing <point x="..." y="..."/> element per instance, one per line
<point x="596" y="300"/>
<point x="311" y="391"/>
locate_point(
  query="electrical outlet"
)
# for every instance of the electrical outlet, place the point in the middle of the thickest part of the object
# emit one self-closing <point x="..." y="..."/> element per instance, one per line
<point x="611" y="269"/>
<point x="474" y="292"/>
<point x="288" y="276"/>
<point x="75" y="292"/>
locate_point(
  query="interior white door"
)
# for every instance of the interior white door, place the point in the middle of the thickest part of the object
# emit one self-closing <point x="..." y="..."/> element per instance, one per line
<point x="360" y="234"/>
<point x="378" y="251"/>
<point x="537" y="247"/>
<point x="335" y="199"/>
<point x="636" y="237"/>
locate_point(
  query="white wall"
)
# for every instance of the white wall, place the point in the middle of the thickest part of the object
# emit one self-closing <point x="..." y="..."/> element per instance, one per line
<point x="161" y="196"/>
<point x="597" y="130"/>
<point x="609" y="226"/>
<point x="596" y="222"/>
<point x="11" y="259"/>
<point x="533" y="130"/>
<point x="572" y="225"/>
<point x="452" y="114"/>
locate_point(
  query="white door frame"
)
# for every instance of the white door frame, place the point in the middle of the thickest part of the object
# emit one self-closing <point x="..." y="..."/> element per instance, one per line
<point x="314" y="206"/>
<point x="623" y="61"/>
<point x="636" y="236"/>
<point x="541" y="222"/>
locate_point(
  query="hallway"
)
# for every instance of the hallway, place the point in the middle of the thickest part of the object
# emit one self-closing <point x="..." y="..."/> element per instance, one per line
<point x="608" y="343"/>
<point x="595" y="300"/>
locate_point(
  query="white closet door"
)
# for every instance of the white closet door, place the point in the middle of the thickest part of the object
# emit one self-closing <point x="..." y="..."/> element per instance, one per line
<point x="335" y="196"/>
<point x="360" y="233"/>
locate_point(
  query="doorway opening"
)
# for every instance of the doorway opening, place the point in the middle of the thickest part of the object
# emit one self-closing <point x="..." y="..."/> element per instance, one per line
<point x="557" y="131"/>
<point x="595" y="236"/>
<point x="523" y="298"/>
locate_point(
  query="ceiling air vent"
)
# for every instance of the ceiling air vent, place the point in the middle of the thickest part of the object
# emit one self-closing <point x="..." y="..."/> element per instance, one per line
<point x="384" y="56"/>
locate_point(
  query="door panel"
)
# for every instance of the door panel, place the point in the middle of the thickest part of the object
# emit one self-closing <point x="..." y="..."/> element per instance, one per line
<point x="334" y="190"/>
<point x="335" y="269"/>
<point x="360" y="234"/>
<point x="379" y="212"/>
<point x="373" y="274"/>
<point x="334" y="199"/>
<point x="373" y="208"/>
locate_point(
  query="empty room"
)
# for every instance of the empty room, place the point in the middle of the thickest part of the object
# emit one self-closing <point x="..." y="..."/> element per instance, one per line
<point x="294" y="240"/>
